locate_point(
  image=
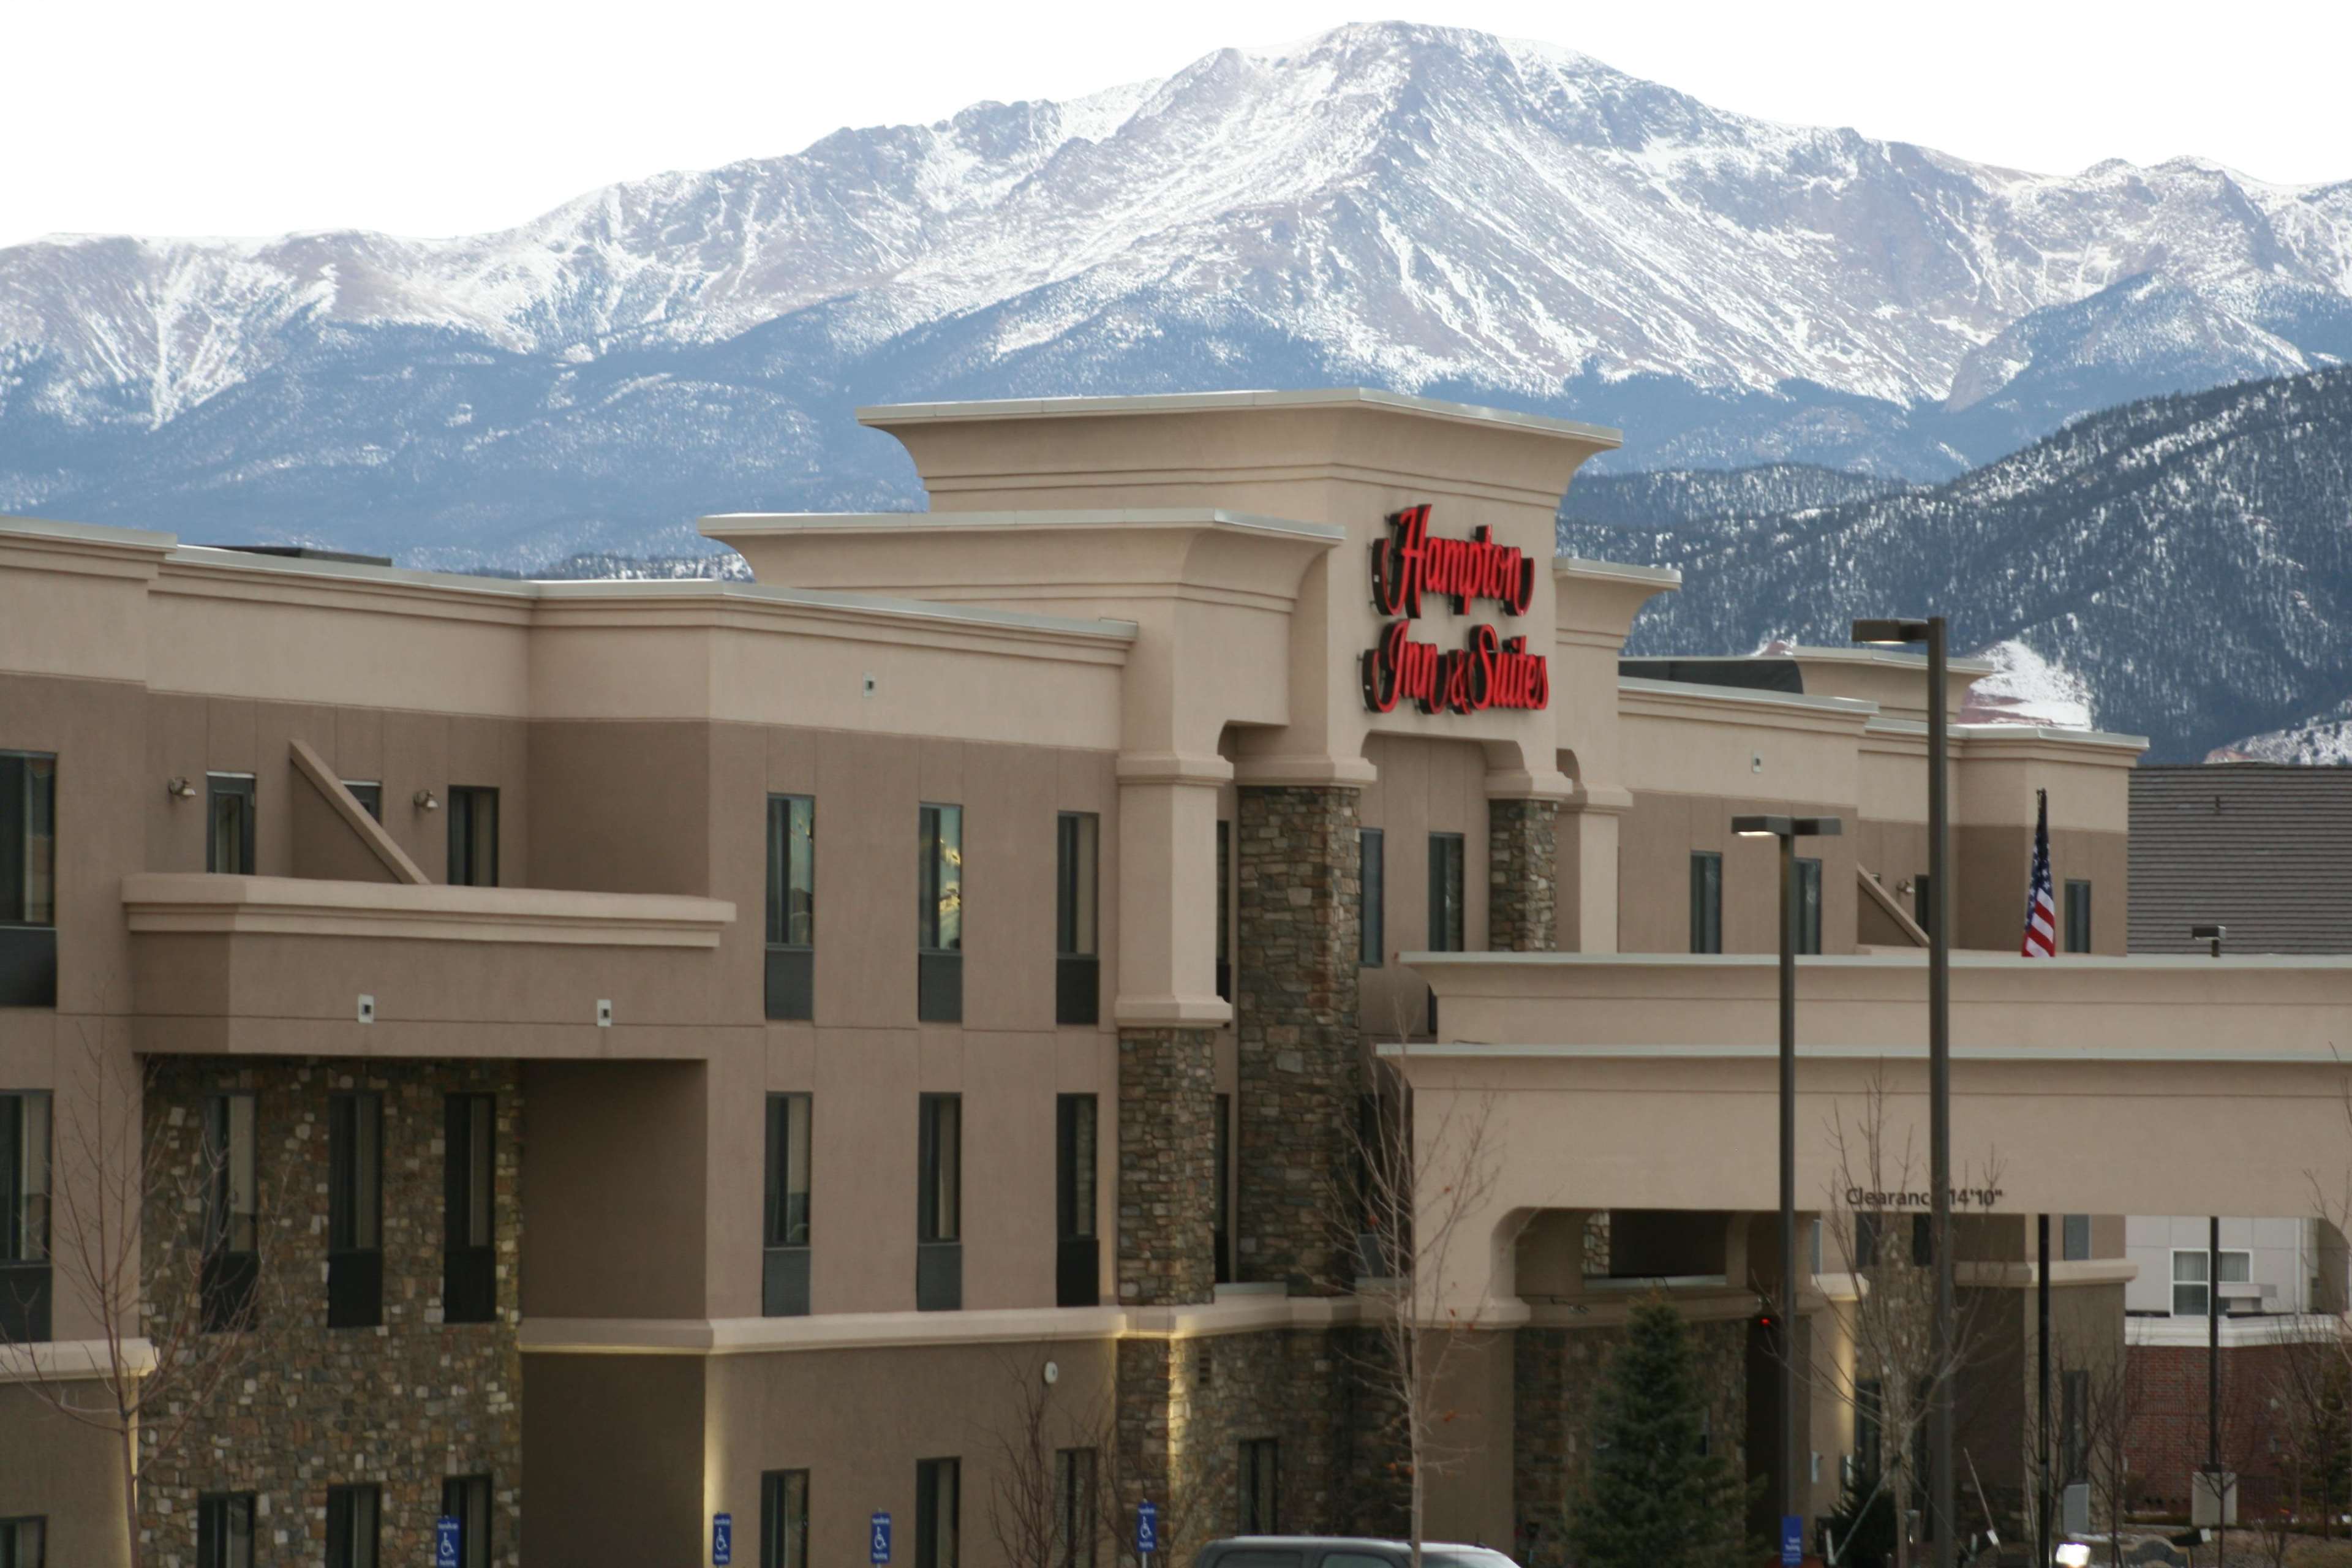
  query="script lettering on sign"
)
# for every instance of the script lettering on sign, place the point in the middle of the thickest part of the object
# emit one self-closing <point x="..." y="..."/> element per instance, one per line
<point x="1488" y="670"/>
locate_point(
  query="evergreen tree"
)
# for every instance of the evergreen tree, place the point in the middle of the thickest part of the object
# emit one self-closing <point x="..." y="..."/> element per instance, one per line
<point x="1864" y="1525"/>
<point x="1653" y="1498"/>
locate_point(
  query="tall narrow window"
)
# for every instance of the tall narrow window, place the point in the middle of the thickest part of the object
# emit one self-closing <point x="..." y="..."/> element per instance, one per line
<point x="939" y="1209"/>
<point x="2074" y="1242"/>
<point x="1705" y="902"/>
<point x="938" y="928"/>
<point x="229" y="822"/>
<point x="1373" y="878"/>
<point x="467" y="1499"/>
<point x="232" y="1263"/>
<point x="28" y="908"/>
<point x="2078" y="916"/>
<point x="1074" y="1507"/>
<point x="1077" y="1257"/>
<point x="1923" y="902"/>
<point x="783" y="1519"/>
<point x="792" y="907"/>
<point x="936" y="1505"/>
<point x="225" y="1530"/>
<point x="352" y="1526"/>
<point x="784" y="1274"/>
<point x="469" y="1269"/>
<point x="1869" y="1429"/>
<point x="24" y="1543"/>
<point x="2074" y="1410"/>
<point x="473" y="837"/>
<point x="369" y="792"/>
<point x="1221" y="1146"/>
<point x="1260" y="1476"/>
<point x="1445" y="896"/>
<point x="1225" y="910"/>
<point x="1077" y="969"/>
<point x="354" y="1211"/>
<point x="1808" y="906"/>
<point x="24" y="1279"/>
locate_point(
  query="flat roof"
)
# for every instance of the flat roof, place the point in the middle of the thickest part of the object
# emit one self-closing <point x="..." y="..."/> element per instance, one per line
<point x="789" y="522"/>
<point x="888" y="414"/>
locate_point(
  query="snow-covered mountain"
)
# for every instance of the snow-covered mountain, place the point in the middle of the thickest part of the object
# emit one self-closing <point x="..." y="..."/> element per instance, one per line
<point x="1423" y="208"/>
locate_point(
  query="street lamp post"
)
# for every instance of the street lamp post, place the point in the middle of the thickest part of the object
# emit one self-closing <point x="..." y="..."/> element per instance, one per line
<point x="1932" y="632"/>
<point x="1788" y="830"/>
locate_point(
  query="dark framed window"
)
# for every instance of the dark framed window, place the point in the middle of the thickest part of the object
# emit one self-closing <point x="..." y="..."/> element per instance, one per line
<point x="353" y="1517"/>
<point x="232" y="1263"/>
<point x="2190" y="1266"/>
<point x="25" y="1268"/>
<point x="29" y="882"/>
<point x="469" y="1268"/>
<point x="939" y="1206"/>
<point x="784" y="1269"/>
<point x="1923" y="902"/>
<point x="1705" y="902"/>
<point x="1867" y="1229"/>
<point x="2073" y="1413"/>
<point x="1372" y="877"/>
<point x="354" y="1210"/>
<point x="225" y="1530"/>
<point x="792" y="907"/>
<point x="1074" y="1507"/>
<point x="938" y="1483"/>
<point x="2078" y="915"/>
<point x="473" y="837"/>
<point x="229" y="822"/>
<point x="2074" y="1237"/>
<point x="1869" y="1426"/>
<point x="1221" y="1146"/>
<point x="1808" y="906"/>
<point x="1259" y="1476"/>
<point x="467" y="1499"/>
<point x="24" y="1543"/>
<point x="369" y="792"/>
<point x="1077" y="976"/>
<point x="1923" y="1239"/>
<point x="938" y="916"/>
<point x="783" y="1519"/>
<point x="1225" y="910"/>
<point x="1077" y="1256"/>
<point x="1445" y="901"/>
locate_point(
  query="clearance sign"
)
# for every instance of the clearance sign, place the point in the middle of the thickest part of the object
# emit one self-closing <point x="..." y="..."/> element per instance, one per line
<point x="1488" y="670"/>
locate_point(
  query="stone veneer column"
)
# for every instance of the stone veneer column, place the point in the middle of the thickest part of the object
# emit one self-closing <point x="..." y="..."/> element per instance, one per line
<point x="1522" y="875"/>
<point x="1166" y="1166"/>
<point x="1297" y="1027"/>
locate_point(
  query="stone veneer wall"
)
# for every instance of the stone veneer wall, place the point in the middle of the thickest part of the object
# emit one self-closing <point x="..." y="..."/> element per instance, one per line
<point x="402" y="1406"/>
<point x="1300" y="1057"/>
<point x="1522" y="875"/>
<point x="1556" y="1378"/>
<point x="1166" y="1166"/>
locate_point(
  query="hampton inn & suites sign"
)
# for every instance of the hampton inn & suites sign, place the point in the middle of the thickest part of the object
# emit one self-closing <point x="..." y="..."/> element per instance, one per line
<point x="1488" y="670"/>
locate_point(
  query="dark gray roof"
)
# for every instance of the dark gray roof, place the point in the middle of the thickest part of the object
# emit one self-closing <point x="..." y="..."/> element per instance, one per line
<point x="2264" y="848"/>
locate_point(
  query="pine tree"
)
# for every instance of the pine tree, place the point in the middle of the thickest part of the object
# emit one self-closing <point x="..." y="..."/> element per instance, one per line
<point x="1652" y="1497"/>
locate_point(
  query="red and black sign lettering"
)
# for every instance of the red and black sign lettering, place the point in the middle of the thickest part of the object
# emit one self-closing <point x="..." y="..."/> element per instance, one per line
<point x="1409" y="563"/>
<point x="1489" y="670"/>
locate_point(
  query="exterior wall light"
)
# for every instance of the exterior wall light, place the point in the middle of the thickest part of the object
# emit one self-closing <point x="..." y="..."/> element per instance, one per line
<point x="426" y="800"/>
<point x="179" y="788"/>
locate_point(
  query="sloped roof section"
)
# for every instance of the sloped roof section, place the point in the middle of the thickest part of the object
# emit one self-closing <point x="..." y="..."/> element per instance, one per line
<point x="2262" y="849"/>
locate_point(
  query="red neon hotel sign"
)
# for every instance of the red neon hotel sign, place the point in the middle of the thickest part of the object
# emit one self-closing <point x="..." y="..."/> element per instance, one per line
<point x="1489" y="670"/>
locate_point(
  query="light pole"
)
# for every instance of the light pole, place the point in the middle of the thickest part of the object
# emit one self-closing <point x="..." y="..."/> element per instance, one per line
<point x="1931" y="631"/>
<point x="1788" y="830"/>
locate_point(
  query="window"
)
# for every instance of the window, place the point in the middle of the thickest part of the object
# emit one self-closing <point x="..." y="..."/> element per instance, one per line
<point x="1869" y="1402"/>
<point x="22" y="1543"/>
<point x="1813" y="1246"/>
<point x="1221" y="1150"/>
<point x="1224" y="911"/>
<point x="1705" y="902"/>
<point x="783" y="1519"/>
<point x="2074" y="1244"/>
<point x="938" y="928"/>
<point x="1077" y="968"/>
<point x="2190" y="1266"/>
<point x="352" y="1514"/>
<point x="1260" y="1476"/>
<point x="467" y="1499"/>
<point x="354" y="1211"/>
<point x="937" y="1483"/>
<point x="469" y="1272"/>
<point x="369" y="792"/>
<point x="792" y="907"/>
<point x="25" y="1281"/>
<point x="939" y="1208"/>
<point x="1808" y="906"/>
<point x="1373" y="878"/>
<point x="1866" y="1230"/>
<point x="1077" y="1262"/>
<point x="1923" y="903"/>
<point x="2073" y="1407"/>
<point x="2078" y="916"/>
<point x="784" y="1279"/>
<point x="473" y="837"/>
<point x="1923" y="1239"/>
<point x="28" y="907"/>
<point x="225" y="1530"/>
<point x="1444" y="903"/>
<point x="1074" y="1507"/>
<point x="232" y="1264"/>
<point x="229" y="817"/>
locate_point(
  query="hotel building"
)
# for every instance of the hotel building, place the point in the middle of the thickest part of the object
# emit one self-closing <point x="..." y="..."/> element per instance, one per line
<point x="660" y="1051"/>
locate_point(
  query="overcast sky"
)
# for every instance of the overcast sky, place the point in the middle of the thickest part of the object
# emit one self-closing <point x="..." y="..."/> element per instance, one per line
<point x="433" y="117"/>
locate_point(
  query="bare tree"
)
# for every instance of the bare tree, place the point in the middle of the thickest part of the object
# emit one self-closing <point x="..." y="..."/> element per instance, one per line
<point x="2310" y="1387"/>
<point x="165" y="1348"/>
<point x="2099" y="1393"/>
<point x="1061" y="1483"/>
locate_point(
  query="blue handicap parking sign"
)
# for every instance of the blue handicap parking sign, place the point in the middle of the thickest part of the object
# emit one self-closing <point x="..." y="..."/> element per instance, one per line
<point x="445" y="1542"/>
<point x="722" y="1538"/>
<point x="878" y="1552"/>
<point x="1792" y="1541"/>
<point x="1147" y="1528"/>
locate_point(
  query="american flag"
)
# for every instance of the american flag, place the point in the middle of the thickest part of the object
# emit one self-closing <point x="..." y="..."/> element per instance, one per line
<point x="2040" y="907"/>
